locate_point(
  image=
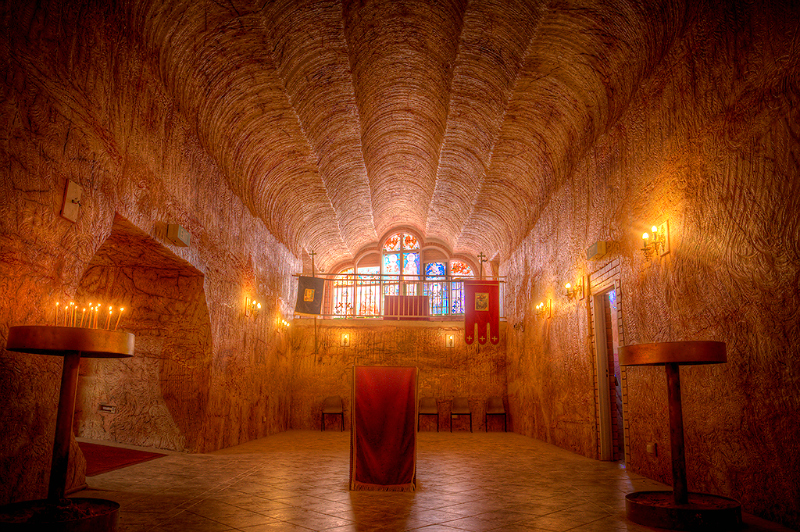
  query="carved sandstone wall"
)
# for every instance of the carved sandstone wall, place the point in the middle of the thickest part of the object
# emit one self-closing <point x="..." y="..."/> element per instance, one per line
<point x="161" y="394"/>
<point x="476" y="371"/>
<point x="710" y="144"/>
<point x="95" y="112"/>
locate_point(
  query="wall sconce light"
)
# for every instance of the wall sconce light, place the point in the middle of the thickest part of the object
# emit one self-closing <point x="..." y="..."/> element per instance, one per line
<point x="543" y="309"/>
<point x="345" y="340"/>
<point x="251" y="307"/>
<point x="574" y="291"/>
<point x="282" y="324"/>
<point x="449" y="340"/>
<point x="656" y="241"/>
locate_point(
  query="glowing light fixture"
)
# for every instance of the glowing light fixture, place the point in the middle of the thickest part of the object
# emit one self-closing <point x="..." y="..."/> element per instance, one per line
<point x="251" y="307"/>
<point x="656" y="242"/>
<point x="574" y="291"/>
<point x="345" y="340"/>
<point x="543" y="309"/>
<point x="449" y="340"/>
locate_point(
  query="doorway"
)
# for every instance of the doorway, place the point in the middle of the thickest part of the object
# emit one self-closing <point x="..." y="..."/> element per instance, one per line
<point x="609" y="377"/>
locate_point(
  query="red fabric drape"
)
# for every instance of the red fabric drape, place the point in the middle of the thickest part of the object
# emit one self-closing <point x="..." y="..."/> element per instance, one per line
<point x="405" y="307"/>
<point x="481" y="308"/>
<point x="384" y="435"/>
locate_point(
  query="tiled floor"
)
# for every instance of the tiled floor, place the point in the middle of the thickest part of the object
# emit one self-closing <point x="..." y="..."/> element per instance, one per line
<point x="298" y="480"/>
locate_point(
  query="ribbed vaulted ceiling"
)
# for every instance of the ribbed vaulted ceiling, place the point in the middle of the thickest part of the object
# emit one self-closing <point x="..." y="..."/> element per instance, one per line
<point x="336" y="121"/>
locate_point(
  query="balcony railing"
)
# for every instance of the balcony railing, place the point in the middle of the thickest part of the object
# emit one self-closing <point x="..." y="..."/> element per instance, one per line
<point x="365" y="296"/>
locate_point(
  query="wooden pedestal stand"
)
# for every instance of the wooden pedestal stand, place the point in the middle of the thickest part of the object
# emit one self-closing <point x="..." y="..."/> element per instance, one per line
<point x="72" y="343"/>
<point x="679" y="509"/>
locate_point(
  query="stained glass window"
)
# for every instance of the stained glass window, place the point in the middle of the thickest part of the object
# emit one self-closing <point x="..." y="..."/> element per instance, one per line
<point x="410" y="263"/>
<point x="410" y="242"/>
<point x="343" y="293"/>
<point x="369" y="273"/>
<point x="436" y="291"/>
<point x="391" y="263"/>
<point x="368" y="291"/>
<point x="460" y="269"/>
<point x="401" y="257"/>
<point x="393" y="242"/>
<point x="360" y="292"/>
<point x="435" y="269"/>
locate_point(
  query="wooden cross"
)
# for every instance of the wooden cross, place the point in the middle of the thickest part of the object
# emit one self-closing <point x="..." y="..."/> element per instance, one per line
<point x="481" y="259"/>
<point x="312" y="254"/>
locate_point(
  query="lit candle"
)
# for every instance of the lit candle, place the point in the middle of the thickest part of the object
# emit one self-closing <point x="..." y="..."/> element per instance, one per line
<point x="121" y="310"/>
<point x="83" y="313"/>
<point x="57" y="303"/>
<point x="108" y="318"/>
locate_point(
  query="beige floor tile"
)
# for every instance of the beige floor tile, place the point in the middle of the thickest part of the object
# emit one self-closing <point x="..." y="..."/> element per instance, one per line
<point x="298" y="481"/>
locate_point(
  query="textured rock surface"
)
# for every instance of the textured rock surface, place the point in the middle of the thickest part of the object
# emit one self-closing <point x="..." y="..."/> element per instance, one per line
<point x="476" y="372"/>
<point x="96" y="113"/>
<point x="710" y="144"/>
<point x="526" y="130"/>
<point x="161" y="394"/>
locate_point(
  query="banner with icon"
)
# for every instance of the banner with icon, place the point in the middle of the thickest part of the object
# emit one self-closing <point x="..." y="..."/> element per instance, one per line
<point x="309" y="296"/>
<point x="481" y="308"/>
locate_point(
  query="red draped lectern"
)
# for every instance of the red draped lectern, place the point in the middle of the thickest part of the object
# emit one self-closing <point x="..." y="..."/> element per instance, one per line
<point x="383" y="444"/>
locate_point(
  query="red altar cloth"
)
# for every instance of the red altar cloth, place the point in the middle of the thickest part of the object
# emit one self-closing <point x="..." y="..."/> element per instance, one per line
<point x="383" y="443"/>
<point x="405" y="308"/>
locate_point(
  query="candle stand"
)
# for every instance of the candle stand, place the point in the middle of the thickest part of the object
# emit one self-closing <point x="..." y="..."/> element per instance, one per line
<point x="71" y="343"/>
<point x="678" y="509"/>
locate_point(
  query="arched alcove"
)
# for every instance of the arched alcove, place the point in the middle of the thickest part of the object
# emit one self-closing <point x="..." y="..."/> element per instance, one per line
<point x="157" y="398"/>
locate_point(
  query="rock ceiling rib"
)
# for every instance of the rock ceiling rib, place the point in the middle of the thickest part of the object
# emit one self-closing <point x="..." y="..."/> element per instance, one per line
<point x="578" y="76"/>
<point x="402" y="55"/>
<point x="218" y="66"/>
<point x="309" y="49"/>
<point x="493" y="42"/>
<point x="335" y="121"/>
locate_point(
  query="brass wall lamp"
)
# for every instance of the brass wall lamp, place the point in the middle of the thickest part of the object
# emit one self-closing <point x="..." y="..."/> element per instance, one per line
<point x="251" y="307"/>
<point x="573" y="291"/>
<point x="656" y="242"/>
<point x="543" y="309"/>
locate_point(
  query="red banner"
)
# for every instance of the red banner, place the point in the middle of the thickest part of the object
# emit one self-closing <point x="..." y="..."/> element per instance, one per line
<point x="481" y="308"/>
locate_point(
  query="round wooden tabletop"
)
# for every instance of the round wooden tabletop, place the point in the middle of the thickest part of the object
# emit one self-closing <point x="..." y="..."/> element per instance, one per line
<point x="658" y="354"/>
<point x="54" y="340"/>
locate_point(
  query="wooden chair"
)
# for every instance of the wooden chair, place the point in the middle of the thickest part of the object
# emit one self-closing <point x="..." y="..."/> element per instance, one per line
<point x="460" y="408"/>
<point x="495" y="407"/>
<point x="428" y="407"/>
<point x="332" y="406"/>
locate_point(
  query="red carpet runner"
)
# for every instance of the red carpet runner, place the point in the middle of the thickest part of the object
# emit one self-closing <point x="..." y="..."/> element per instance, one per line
<point x="102" y="458"/>
<point x="384" y="437"/>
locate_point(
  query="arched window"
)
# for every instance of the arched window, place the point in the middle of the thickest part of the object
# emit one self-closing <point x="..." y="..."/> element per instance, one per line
<point x="402" y="266"/>
<point x="357" y="294"/>
<point x="343" y="300"/>
<point x="401" y="262"/>
<point x="458" y="269"/>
